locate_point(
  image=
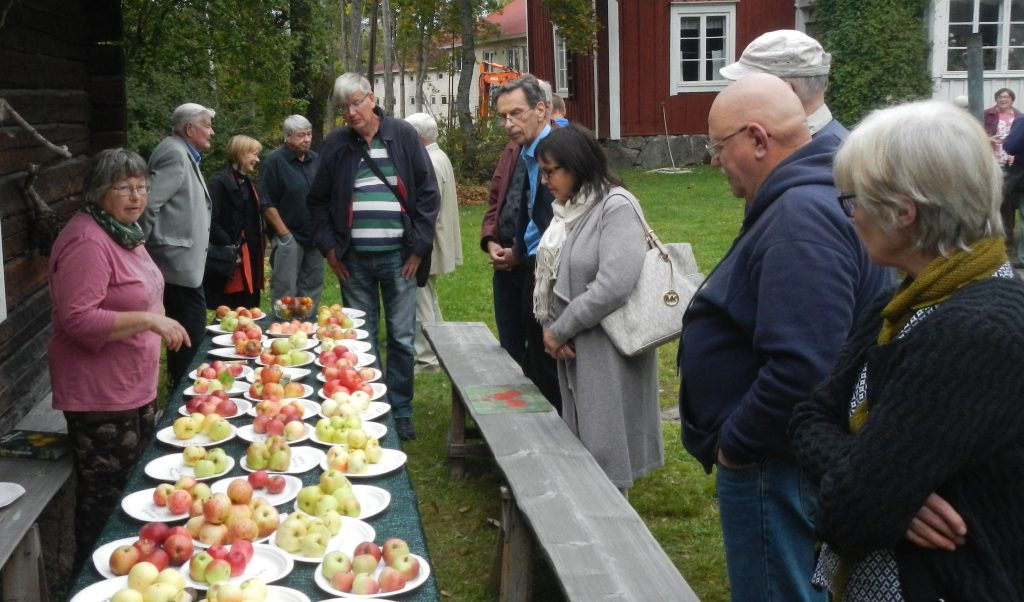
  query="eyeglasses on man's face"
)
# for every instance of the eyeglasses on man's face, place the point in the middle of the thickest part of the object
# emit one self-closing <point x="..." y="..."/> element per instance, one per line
<point x="126" y="190"/>
<point x="716" y="148"/>
<point x="515" y="116"/>
<point x="353" y="105"/>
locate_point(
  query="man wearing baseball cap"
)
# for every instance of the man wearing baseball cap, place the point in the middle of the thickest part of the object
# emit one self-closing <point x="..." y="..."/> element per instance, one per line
<point x="800" y="61"/>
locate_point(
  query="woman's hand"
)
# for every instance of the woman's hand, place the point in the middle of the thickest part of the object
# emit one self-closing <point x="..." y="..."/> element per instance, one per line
<point x="558" y="349"/>
<point x="171" y="332"/>
<point x="937" y="525"/>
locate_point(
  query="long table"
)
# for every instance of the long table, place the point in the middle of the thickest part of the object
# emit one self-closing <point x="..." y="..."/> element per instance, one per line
<point x="400" y="519"/>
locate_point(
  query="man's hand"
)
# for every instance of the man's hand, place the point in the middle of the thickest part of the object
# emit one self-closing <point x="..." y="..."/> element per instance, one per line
<point x="937" y="525"/>
<point x="337" y="266"/>
<point x="411" y="265"/>
<point x="501" y="258"/>
<point x="722" y="460"/>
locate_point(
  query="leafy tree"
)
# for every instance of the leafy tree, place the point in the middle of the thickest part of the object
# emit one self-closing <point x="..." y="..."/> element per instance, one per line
<point x="576" y="21"/>
<point x="879" y="53"/>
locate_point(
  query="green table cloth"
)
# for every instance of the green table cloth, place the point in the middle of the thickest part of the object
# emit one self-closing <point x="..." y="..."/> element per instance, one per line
<point x="399" y="519"/>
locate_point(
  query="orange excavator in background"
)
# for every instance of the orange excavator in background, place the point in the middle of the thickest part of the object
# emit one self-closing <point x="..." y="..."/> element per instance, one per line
<point x="492" y="74"/>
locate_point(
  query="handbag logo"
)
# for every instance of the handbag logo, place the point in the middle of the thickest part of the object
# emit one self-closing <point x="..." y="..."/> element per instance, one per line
<point x="671" y="298"/>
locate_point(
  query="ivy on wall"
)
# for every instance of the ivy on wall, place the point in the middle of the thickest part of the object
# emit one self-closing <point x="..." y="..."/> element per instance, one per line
<point x="880" y="52"/>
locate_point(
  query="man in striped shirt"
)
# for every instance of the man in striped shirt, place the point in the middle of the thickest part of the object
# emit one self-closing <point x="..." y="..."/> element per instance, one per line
<point x="373" y="204"/>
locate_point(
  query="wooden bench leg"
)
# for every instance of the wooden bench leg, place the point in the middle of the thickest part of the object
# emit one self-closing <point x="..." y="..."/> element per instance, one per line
<point x="23" y="576"/>
<point x="456" y="437"/>
<point x="513" y="558"/>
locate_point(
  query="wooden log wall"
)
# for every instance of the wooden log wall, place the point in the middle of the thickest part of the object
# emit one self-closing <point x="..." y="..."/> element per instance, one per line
<point x="63" y="72"/>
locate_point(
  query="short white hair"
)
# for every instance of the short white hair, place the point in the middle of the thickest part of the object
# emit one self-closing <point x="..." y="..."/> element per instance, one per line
<point x="296" y="123"/>
<point x="808" y="88"/>
<point x="933" y="154"/>
<point x="425" y="126"/>
<point x="546" y="86"/>
<point x="348" y="85"/>
<point x="190" y="112"/>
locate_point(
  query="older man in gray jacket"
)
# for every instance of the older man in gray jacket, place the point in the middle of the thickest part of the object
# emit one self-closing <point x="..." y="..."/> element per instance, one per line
<point x="177" y="225"/>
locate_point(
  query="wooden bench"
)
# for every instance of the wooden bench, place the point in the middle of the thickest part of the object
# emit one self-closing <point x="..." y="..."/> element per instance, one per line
<point x="597" y="545"/>
<point x="22" y="572"/>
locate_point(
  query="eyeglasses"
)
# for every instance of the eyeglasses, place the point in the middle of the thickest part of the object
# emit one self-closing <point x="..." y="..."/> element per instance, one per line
<point x="352" y="105"/>
<point x="547" y="173"/>
<point x="515" y="116"/>
<point x="716" y="148"/>
<point x="126" y="191"/>
<point x="846" y="202"/>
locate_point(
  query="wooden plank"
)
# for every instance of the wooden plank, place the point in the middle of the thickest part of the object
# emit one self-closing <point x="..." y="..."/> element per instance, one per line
<point x="23" y="577"/>
<point x="39" y="106"/>
<point x="29" y="70"/>
<point x="595" y="542"/>
<point x="41" y="480"/>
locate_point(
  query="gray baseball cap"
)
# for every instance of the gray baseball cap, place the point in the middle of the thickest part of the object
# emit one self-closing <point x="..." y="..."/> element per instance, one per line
<point x="783" y="53"/>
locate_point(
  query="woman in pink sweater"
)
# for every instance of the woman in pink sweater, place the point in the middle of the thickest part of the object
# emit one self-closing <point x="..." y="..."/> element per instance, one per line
<point x="108" y="321"/>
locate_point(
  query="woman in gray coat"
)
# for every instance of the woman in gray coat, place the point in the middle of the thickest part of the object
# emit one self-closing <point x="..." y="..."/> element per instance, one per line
<point x="588" y="263"/>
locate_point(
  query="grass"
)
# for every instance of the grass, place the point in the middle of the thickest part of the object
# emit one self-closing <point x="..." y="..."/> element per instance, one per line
<point x="677" y="502"/>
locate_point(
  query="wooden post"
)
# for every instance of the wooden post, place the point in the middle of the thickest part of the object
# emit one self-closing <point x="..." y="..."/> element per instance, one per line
<point x="456" y="437"/>
<point x="516" y="553"/>
<point x="23" y="577"/>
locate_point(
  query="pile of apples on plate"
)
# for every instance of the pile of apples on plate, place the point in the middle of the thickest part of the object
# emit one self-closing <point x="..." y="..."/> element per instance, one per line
<point x="158" y="544"/>
<point x="215" y="376"/>
<point x="217" y="402"/>
<point x="247" y="339"/>
<point x="205" y="463"/>
<point x="250" y="590"/>
<point x="290" y="328"/>
<point x="286" y="352"/>
<point x="149" y="583"/>
<point x="332" y="495"/>
<point x="358" y="574"/>
<point x="280" y="418"/>
<point x="230" y="517"/>
<point x="223" y="311"/>
<point x="213" y="425"/>
<point x="232" y="322"/>
<point x="181" y="497"/>
<point x="333" y="314"/>
<point x="272" y="454"/>
<point x="271" y="384"/>
<point x="355" y="460"/>
<point x="305" y="534"/>
<point x="219" y="563"/>
<point x="293" y="307"/>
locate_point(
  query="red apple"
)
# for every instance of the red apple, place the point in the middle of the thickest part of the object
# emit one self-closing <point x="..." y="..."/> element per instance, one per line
<point x="342" y="581"/>
<point x="394" y="548"/>
<point x="407" y="565"/>
<point x="390" y="580"/>
<point x="159" y="558"/>
<point x="179" y="548"/>
<point x="179" y="501"/>
<point x="216" y="509"/>
<point x="244" y="546"/>
<point x="219" y="551"/>
<point x="258" y="479"/>
<point x="368" y="547"/>
<point x="271" y="374"/>
<point x="123" y="558"/>
<point x="276" y="484"/>
<point x="237" y="560"/>
<point x="158" y="532"/>
<point x="226" y="407"/>
<point x="240" y="491"/>
<point x="145" y="546"/>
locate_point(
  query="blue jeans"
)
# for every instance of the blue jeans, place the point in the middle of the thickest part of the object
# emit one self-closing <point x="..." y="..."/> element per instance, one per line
<point x="376" y="278"/>
<point x="766" y="512"/>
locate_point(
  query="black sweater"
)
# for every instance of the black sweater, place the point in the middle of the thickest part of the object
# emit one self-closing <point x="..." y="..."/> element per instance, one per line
<point x="945" y="417"/>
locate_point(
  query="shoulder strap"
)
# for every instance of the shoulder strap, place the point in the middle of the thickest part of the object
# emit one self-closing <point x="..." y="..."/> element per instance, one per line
<point x="376" y="170"/>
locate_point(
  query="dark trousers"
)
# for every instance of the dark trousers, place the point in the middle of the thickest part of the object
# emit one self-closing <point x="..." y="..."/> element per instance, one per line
<point x="508" y="312"/>
<point x="187" y="306"/>
<point x="1013" y="183"/>
<point x="540" y="367"/>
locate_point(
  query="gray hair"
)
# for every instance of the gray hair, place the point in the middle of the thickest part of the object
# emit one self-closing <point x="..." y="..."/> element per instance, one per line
<point x="528" y="83"/>
<point x="809" y="87"/>
<point x="107" y="167"/>
<point x="546" y="86"/>
<point x="933" y="154"/>
<point x="296" y="123"/>
<point x="425" y="126"/>
<point x="190" y="112"/>
<point x="348" y="85"/>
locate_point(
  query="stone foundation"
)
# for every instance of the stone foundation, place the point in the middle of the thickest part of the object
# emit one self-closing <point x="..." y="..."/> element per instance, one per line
<point x="652" y="152"/>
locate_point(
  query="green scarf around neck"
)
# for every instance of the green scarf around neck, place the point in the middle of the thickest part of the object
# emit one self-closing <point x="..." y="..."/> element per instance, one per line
<point x="128" y="236"/>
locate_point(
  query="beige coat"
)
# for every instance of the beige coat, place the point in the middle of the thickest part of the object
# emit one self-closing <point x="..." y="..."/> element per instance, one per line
<point x="447" y="253"/>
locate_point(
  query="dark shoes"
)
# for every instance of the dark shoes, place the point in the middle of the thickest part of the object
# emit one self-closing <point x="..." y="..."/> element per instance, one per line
<point x="406" y="432"/>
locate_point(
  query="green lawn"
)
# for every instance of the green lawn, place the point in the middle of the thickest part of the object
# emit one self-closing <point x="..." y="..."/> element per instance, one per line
<point x="677" y="502"/>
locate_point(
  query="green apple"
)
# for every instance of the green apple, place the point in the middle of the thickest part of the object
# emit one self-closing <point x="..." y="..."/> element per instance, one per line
<point x="353" y="421"/>
<point x="325" y="503"/>
<point x="281" y="347"/>
<point x="350" y="507"/>
<point x="337" y="422"/>
<point x="289" y="534"/>
<point x="356" y="438"/>
<point x="142" y="575"/>
<point x="193" y="453"/>
<point x="280" y="460"/>
<point x="324" y="430"/>
<point x="184" y="428"/>
<point x="160" y="592"/>
<point x="359" y="400"/>
<point x="308" y="497"/>
<point x="332" y="520"/>
<point x="220" y="430"/>
<point x="205" y="468"/>
<point x="257" y="456"/>
<point x="127" y="595"/>
<point x="313" y="544"/>
<point x="299" y="340"/>
<point x="336" y="562"/>
<point x="220" y="459"/>
<point x="297" y="356"/>
<point x="254" y="589"/>
<point x="374" y="454"/>
<point x="341" y="437"/>
<point x="333" y="479"/>
<point x="357" y="462"/>
<point x="329" y="407"/>
<point x="201" y="491"/>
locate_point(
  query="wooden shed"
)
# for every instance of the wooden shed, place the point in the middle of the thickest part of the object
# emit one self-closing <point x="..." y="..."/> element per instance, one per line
<point x="62" y="72"/>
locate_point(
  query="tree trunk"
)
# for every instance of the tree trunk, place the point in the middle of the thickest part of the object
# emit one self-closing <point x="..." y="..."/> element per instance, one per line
<point x="300" y="18"/>
<point x="468" y="63"/>
<point x="355" y="62"/>
<point x="387" y="34"/>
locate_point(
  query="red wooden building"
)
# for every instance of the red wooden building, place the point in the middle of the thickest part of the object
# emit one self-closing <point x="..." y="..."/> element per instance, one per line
<point x="656" y="63"/>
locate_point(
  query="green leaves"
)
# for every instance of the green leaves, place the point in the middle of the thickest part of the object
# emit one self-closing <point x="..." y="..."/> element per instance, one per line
<point x="576" y="21"/>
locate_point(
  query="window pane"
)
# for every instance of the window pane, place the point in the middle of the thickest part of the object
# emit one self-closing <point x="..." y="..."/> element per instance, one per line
<point x="691" y="71"/>
<point x="689" y="27"/>
<point x="1017" y="10"/>
<point x="956" y="60"/>
<point x="988" y="59"/>
<point x="990" y="11"/>
<point x="689" y="50"/>
<point x="715" y="27"/>
<point x="989" y="35"/>
<point x="1017" y="34"/>
<point x="961" y="11"/>
<point x="1016" y="59"/>
<point x="958" y="35"/>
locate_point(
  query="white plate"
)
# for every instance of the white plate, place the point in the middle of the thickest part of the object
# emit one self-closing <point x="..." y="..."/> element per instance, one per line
<point x="308" y="361"/>
<point x="242" y="405"/>
<point x="10" y="492"/>
<point x="101" y="591"/>
<point x="377" y="375"/>
<point x="310" y="343"/>
<point x="304" y="458"/>
<point x="238" y="386"/>
<point x="292" y="373"/>
<point x="372" y="429"/>
<point x="421" y="578"/>
<point x="248" y="433"/>
<point x="372" y="501"/>
<point x="277" y="593"/>
<point x="352" y="344"/>
<point x="309" y="333"/>
<point x="353" y="312"/>
<point x="312" y="408"/>
<point x="139" y="505"/>
<point x="223" y="340"/>
<point x="379" y="389"/>
<point x="306" y="392"/>
<point x="376" y="410"/>
<point x="352" y="533"/>
<point x="101" y="555"/>
<point x="391" y="459"/>
<point x="167" y="436"/>
<point x="268" y="564"/>
<point x="228" y="353"/>
<point x="362" y="359"/>
<point x="292" y="485"/>
<point x="172" y="467"/>
<point x="246" y="371"/>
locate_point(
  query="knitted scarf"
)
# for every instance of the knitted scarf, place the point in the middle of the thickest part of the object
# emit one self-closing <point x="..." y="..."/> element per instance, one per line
<point x="936" y="283"/>
<point x="128" y="236"/>
<point x="565" y="214"/>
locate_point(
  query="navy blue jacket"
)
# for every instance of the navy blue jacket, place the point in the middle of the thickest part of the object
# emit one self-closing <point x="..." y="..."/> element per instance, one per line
<point x="330" y="195"/>
<point x="768" y="325"/>
<point x="1013" y="144"/>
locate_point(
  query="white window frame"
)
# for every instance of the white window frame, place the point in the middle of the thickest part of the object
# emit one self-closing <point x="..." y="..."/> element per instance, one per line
<point x="702" y="10"/>
<point x="942" y="24"/>
<point x="561" y="64"/>
<point x="488" y="56"/>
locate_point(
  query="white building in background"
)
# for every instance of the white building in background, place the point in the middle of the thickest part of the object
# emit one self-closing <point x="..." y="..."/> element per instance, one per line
<point x="441" y="86"/>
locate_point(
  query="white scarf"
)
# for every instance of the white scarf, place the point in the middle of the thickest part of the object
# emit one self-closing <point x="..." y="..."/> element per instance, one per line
<point x="564" y="218"/>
